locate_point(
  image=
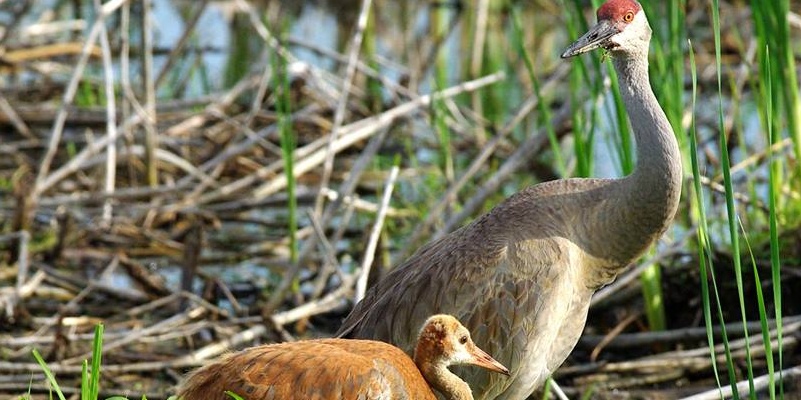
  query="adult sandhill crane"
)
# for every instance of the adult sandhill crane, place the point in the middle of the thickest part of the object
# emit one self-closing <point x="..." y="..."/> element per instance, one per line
<point x="346" y="369"/>
<point x="521" y="276"/>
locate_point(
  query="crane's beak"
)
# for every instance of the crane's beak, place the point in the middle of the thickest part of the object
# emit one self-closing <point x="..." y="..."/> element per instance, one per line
<point x="593" y="39"/>
<point x="484" y="360"/>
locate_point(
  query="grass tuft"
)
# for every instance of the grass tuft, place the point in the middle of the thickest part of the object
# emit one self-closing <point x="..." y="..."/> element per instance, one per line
<point x="90" y="377"/>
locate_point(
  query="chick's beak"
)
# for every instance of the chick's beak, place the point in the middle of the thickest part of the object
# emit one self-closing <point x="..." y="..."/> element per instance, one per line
<point x="484" y="360"/>
<point x="593" y="39"/>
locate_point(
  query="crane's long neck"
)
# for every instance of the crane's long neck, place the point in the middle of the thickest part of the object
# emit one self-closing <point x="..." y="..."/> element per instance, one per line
<point x="658" y="157"/>
<point x="641" y="205"/>
<point x="444" y="381"/>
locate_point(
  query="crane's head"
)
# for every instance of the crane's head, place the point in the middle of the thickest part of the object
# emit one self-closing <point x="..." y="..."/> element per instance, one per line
<point x="621" y="28"/>
<point x="444" y="341"/>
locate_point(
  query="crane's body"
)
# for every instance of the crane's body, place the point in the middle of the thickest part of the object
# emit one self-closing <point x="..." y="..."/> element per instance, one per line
<point x="521" y="277"/>
<point x="345" y="369"/>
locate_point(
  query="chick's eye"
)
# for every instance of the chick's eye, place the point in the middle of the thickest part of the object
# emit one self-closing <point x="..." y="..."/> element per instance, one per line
<point x="463" y="339"/>
<point x="628" y="17"/>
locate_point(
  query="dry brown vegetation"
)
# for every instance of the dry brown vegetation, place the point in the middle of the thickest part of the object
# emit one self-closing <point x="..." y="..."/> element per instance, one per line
<point x="118" y="186"/>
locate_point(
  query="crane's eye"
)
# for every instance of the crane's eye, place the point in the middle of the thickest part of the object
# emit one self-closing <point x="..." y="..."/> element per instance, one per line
<point x="629" y="16"/>
<point x="463" y="339"/>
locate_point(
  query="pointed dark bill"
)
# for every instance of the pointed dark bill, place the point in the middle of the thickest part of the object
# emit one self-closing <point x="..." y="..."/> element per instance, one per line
<point x="593" y="39"/>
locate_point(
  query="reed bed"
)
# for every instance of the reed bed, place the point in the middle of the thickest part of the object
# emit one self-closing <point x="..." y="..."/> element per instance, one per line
<point x="158" y="210"/>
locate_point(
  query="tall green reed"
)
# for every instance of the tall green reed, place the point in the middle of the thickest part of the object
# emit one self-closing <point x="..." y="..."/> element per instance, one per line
<point x="773" y="32"/>
<point x="775" y="261"/>
<point x="369" y="45"/>
<point x="287" y="138"/>
<point x="441" y="21"/>
<point x="776" y="64"/>
<point x="667" y="56"/>
<point x="241" y="57"/>
<point x="495" y="98"/>
<point x="733" y="225"/>
<point x="545" y="116"/>
<point x="730" y="211"/>
<point x="584" y="123"/>
<point x="705" y="256"/>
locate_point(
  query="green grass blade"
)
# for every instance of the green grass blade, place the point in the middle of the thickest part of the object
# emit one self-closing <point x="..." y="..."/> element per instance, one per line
<point x="734" y="237"/>
<point x="732" y="217"/>
<point x="704" y="250"/>
<point x="85" y="377"/>
<point x="48" y="374"/>
<point x="280" y="80"/>
<point x="651" y="280"/>
<point x="370" y="49"/>
<point x="777" y="64"/>
<point x="775" y="261"/>
<point x="771" y="28"/>
<point x="288" y="145"/>
<point x="242" y="55"/>
<point x="97" y="353"/>
<point x="668" y="74"/>
<point x="439" y="113"/>
<point x="763" y="319"/>
<point x="623" y="141"/>
<point x="584" y="120"/>
<point x="233" y="395"/>
<point x="546" y="389"/>
<point x="787" y="70"/>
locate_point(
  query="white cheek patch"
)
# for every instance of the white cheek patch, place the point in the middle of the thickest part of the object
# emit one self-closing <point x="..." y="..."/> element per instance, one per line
<point x="462" y="356"/>
<point x="633" y="32"/>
